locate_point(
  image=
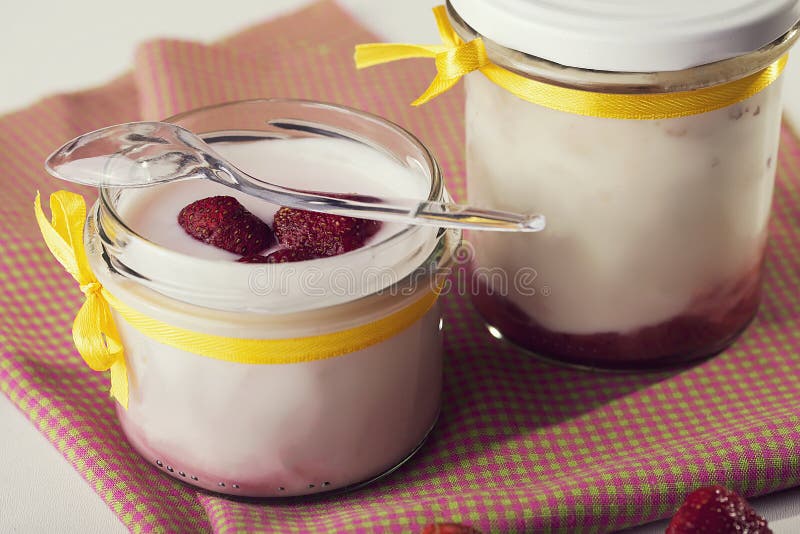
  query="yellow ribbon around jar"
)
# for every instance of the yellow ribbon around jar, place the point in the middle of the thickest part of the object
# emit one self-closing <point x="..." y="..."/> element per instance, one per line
<point x="99" y="343"/>
<point x="455" y="58"/>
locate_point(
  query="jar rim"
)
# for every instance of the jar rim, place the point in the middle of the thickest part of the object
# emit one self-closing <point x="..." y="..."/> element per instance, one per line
<point x="437" y="181"/>
<point x="115" y="233"/>
<point x="618" y="82"/>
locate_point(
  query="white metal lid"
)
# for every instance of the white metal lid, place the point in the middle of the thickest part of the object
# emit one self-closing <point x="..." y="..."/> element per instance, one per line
<point x="631" y="35"/>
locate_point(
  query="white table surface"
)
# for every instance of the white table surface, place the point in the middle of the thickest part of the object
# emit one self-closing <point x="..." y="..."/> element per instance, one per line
<point x="73" y="45"/>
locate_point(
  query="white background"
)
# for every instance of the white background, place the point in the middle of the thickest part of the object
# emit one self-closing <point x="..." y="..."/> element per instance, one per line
<point x="72" y="45"/>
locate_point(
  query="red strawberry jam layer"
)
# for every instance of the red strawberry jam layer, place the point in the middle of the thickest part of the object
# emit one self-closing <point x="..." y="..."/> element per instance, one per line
<point x="710" y="324"/>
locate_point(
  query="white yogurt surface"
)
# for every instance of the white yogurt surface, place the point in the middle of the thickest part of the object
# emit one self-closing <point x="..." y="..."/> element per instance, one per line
<point x="643" y="217"/>
<point x="317" y="164"/>
<point x="175" y="264"/>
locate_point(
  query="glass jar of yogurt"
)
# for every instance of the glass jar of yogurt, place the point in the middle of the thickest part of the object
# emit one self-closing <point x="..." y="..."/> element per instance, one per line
<point x="281" y="421"/>
<point x="648" y="136"/>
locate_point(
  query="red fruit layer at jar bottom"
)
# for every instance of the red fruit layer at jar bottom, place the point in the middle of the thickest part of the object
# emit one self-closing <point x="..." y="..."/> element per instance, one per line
<point x="709" y="325"/>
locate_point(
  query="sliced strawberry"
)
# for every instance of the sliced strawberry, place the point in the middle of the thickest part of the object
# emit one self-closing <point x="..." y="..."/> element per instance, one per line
<point x="715" y="509"/>
<point x="284" y="255"/>
<point x="223" y="222"/>
<point x="322" y="233"/>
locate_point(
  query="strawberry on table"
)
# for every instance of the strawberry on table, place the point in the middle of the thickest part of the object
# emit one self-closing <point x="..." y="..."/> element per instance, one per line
<point x="716" y="510"/>
<point x="223" y="222"/>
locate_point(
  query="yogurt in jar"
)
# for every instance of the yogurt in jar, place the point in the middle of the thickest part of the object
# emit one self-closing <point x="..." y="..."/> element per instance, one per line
<point x="277" y="429"/>
<point x="648" y="135"/>
<point x="656" y="229"/>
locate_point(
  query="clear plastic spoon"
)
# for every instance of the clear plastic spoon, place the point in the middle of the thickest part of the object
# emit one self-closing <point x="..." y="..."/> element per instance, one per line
<point x="141" y="154"/>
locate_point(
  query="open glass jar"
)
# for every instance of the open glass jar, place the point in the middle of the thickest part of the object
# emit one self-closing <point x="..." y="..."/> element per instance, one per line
<point x="657" y="209"/>
<point x="290" y="415"/>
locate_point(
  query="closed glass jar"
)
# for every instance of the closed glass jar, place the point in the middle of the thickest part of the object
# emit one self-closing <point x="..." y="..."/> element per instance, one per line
<point x="657" y="228"/>
<point x="292" y="428"/>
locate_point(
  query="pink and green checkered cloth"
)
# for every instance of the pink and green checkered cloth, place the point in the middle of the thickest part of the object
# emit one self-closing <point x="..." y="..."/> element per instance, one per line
<point x="521" y="446"/>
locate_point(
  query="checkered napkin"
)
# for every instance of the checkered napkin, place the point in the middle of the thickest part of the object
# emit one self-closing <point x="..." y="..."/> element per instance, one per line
<point x="521" y="446"/>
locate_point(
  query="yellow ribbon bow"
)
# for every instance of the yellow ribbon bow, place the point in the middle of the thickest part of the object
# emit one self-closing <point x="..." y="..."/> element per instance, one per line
<point x="455" y="58"/>
<point x="93" y="330"/>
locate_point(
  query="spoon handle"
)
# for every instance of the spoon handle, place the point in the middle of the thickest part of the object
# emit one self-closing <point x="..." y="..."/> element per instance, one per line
<point x="473" y="218"/>
<point x="401" y="210"/>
